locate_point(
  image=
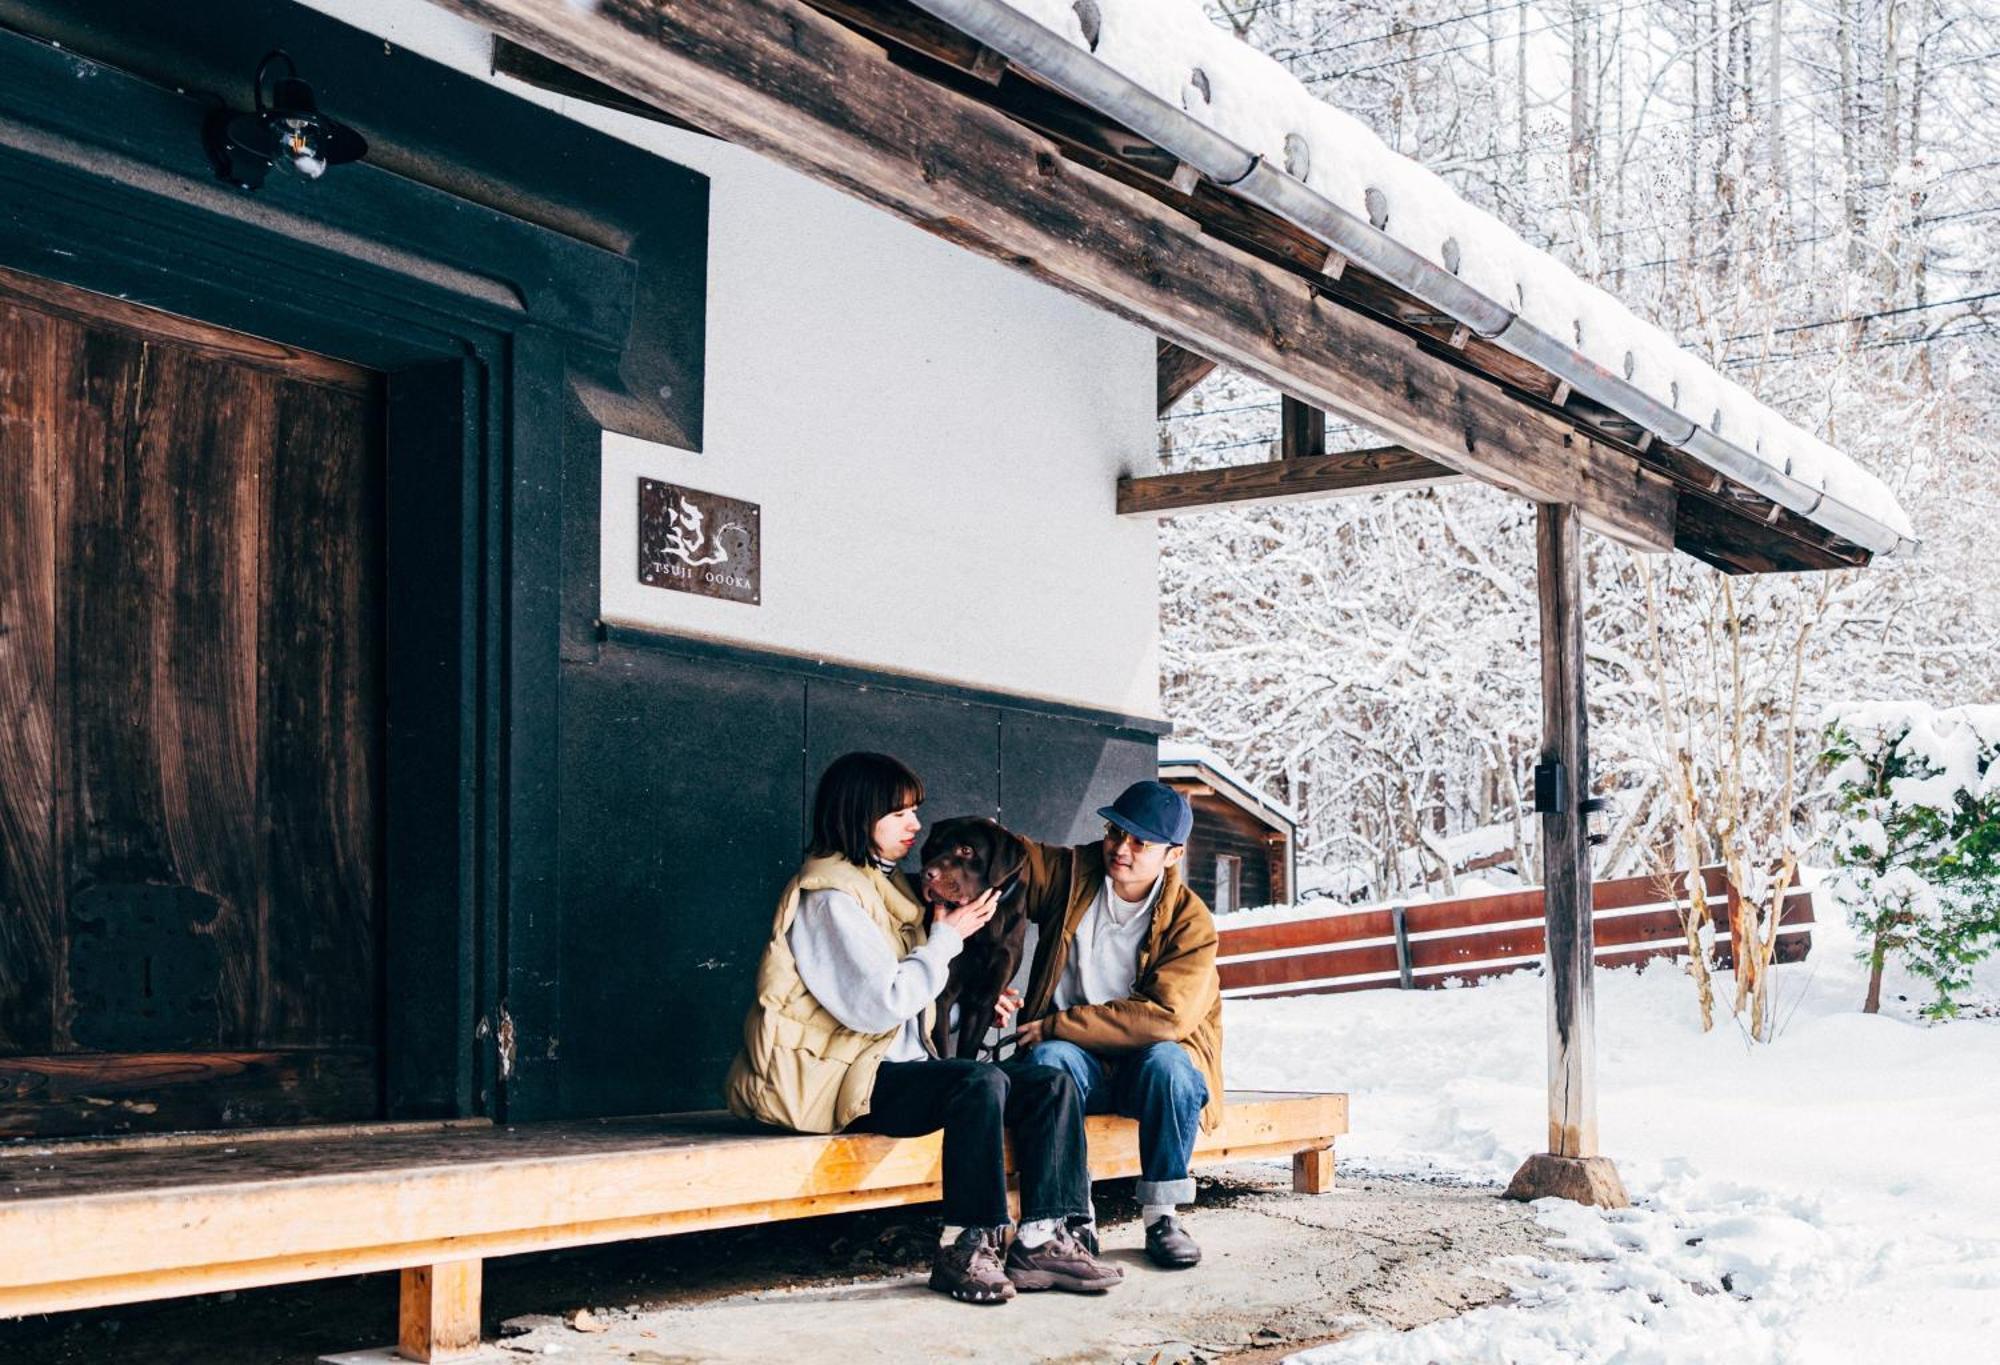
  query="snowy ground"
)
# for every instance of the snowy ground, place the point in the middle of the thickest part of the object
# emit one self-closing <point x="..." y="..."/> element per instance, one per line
<point x="1834" y="1196"/>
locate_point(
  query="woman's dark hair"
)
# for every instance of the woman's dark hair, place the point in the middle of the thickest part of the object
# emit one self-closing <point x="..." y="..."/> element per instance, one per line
<point x="855" y="791"/>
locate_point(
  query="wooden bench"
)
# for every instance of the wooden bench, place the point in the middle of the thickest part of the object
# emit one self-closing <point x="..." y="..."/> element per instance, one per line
<point x="120" y="1220"/>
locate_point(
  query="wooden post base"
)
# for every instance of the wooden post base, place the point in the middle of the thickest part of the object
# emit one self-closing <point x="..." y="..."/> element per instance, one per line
<point x="1580" y="1179"/>
<point x="440" y="1311"/>
<point x="1312" y="1170"/>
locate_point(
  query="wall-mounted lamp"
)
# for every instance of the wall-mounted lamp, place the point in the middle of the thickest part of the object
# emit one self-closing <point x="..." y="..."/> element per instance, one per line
<point x="289" y="129"/>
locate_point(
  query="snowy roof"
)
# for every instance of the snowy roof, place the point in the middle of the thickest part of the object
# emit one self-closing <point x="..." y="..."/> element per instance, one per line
<point x="1161" y="67"/>
<point x="1179" y="753"/>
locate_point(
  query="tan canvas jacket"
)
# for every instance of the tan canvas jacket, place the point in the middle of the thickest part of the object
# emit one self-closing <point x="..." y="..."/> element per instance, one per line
<point x="1177" y="997"/>
<point x="801" y="1068"/>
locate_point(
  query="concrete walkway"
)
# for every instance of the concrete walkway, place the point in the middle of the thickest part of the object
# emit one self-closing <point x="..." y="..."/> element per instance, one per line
<point x="1281" y="1272"/>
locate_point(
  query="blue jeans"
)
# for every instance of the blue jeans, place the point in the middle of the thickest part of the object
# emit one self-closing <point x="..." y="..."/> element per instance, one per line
<point x="1159" y="1086"/>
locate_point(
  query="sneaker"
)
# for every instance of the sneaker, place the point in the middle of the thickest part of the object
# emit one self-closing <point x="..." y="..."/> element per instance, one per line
<point x="1060" y="1263"/>
<point x="1085" y="1233"/>
<point x="969" y="1269"/>
<point x="1168" y="1246"/>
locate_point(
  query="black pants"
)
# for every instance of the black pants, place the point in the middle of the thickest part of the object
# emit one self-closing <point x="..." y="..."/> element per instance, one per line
<point x="975" y="1102"/>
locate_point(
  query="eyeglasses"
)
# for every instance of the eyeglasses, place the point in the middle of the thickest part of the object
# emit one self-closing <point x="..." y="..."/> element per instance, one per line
<point x="1116" y="835"/>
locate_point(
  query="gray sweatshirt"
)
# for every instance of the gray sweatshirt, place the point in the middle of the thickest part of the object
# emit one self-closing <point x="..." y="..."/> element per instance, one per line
<point x="851" y="970"/>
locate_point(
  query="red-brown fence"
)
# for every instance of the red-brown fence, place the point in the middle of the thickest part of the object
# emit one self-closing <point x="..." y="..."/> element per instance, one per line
<point x="1424" y="945"/>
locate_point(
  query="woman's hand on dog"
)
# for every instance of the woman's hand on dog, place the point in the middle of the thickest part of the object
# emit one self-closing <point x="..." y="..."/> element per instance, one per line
<point x="1005" y="1008"/>
<point x="969" y="918"/>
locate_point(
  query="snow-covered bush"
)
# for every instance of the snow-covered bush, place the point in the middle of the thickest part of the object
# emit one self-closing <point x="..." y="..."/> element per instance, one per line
<point x="1917" y="849"/>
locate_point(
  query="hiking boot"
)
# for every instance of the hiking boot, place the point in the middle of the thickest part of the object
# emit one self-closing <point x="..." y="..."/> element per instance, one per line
<point x="1060" y="1263"/>
<point x="969" y="1269"/>
<point x="1168" y="1246"/>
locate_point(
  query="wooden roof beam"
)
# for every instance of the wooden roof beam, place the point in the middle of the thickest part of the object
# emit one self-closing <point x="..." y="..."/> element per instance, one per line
<point x="1289" y="480"/>
<point x="780" y="78"/>
<point x="532" y="68"/>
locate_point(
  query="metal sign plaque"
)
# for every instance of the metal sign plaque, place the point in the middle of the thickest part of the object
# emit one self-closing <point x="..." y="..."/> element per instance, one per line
<point x="698" y="542"/>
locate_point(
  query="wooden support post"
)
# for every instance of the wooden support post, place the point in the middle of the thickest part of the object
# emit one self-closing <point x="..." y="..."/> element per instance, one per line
<point x="1571" y="1168"/>
<point x="440" y="1311"/>
<point x="1302" y="430"/>
<point x="1312" y="1170"/>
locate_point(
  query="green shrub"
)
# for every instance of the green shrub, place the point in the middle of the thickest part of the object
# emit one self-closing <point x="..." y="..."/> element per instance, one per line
<point x="1916" y="852"/>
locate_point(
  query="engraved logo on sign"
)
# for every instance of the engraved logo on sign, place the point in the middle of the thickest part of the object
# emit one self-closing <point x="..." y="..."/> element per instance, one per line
<point x="703" y="543"/>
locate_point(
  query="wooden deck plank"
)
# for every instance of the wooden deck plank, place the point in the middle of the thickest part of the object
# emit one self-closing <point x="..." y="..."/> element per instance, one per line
<point x="101" y="1226"/>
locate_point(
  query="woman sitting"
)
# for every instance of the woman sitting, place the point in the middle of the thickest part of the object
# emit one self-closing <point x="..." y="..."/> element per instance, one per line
<point x="839" y="1038"/>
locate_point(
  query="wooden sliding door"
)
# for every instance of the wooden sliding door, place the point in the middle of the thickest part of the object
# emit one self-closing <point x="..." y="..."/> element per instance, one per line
<point x="191" y="719"/>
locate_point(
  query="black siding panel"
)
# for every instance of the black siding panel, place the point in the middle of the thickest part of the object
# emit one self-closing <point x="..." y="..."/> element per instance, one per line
<point x="952" y="745"/>
<point x="686" y="791"/>
<point x="680" y="819"/>
<point x="1055" y="774"/>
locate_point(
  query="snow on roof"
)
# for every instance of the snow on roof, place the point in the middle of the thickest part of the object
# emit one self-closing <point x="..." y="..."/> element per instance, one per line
<point x="1174" y="752"/>
<point x="1171" y="50"/>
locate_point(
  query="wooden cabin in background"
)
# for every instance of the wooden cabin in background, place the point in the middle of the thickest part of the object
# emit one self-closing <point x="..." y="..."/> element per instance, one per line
<point x="1244" y="849"/>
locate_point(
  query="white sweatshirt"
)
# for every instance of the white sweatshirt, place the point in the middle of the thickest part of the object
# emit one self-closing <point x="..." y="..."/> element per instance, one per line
<point x="850" y="968"/>
<point x="1104" y="957"/>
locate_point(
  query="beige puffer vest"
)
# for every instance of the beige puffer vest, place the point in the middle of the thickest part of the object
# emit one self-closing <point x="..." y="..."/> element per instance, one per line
<point x="801" y="1068"/>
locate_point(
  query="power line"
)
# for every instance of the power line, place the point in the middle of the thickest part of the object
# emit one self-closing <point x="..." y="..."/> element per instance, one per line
<point x="1217" y="412"/>
<point x="1903" y="311"/>
<point x="1387" y="34"/>
<point x="1462" y="47"/>
<point x="1563" y="139"/>
<point x="1885" y="344"/>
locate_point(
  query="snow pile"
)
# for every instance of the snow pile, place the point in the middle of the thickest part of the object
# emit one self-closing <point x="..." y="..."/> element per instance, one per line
<point x="1170" y="49"/>
<point x="1829" y="1197"/>
<point x="1946" y="749"/>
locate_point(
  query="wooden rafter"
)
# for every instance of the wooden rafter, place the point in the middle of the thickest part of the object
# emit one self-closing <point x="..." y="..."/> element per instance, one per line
<point x="1287" y="480"/>
<point x="783" y="79"/>
<point x="532" y="68"/>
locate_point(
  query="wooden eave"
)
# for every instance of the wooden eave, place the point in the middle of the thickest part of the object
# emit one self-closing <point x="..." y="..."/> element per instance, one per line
<point x="882" y="99"/>
<point x="1194" y="770"/>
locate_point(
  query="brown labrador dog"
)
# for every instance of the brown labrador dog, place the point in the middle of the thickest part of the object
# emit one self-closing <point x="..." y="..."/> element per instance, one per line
<point x="963" y="859"/>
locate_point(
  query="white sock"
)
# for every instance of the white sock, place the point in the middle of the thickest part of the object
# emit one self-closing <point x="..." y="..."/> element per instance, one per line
<point x="1153" y="1213"/>
<point x="1037" y="1231"/>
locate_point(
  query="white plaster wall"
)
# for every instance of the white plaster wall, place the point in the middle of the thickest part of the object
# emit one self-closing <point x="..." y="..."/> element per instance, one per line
<point x="933" y="439"/>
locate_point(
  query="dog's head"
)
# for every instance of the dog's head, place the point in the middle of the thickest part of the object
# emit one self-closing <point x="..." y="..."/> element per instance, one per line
<point x="964" y="858"/>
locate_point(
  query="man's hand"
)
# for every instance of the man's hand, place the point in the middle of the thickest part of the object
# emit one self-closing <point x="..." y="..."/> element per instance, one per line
<point x="1005" y="1008"/>
<point x="1031" y="1033"/>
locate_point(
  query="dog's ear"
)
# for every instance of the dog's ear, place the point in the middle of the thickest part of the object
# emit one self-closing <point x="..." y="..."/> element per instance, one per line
<point x="1010" y="855"/>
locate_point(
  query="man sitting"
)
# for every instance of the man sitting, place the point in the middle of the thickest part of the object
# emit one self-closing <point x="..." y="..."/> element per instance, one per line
<point x="1123" y="994"/>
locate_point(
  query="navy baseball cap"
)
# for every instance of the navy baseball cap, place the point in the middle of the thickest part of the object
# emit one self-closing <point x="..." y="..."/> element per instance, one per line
<point x="1152" y="811"/>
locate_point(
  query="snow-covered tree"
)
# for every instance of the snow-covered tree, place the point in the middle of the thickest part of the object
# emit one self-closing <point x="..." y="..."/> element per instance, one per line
<point x="1807" y="197"/>
<point x="1917" y="849"/>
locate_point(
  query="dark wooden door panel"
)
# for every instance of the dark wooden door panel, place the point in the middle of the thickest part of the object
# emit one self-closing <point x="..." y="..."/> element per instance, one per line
<point x="190" y="671"/>
<point x="321" y="615"/>
<point x="30" y="904"/>
<point x="158" y="669"/>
